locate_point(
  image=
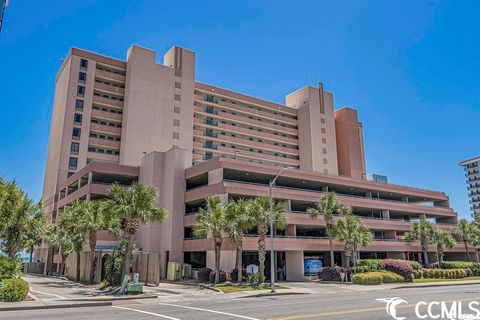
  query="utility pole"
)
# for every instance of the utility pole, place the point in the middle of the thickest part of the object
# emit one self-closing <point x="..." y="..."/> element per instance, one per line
<point x="4" y="6"/>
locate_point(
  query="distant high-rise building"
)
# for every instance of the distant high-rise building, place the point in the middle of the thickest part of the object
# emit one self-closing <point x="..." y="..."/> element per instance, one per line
<point x="472" y="175"/>
<point x="4" y="6"/>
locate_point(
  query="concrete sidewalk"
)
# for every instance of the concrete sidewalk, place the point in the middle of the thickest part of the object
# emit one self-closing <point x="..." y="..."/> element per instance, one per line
<point x="55" y="292"/>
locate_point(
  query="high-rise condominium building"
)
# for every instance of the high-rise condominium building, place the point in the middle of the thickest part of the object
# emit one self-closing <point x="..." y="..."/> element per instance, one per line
<point x="472" y="175"/>
<point x="141" y="120"/>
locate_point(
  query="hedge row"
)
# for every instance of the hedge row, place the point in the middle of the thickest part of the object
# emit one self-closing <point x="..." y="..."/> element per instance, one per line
<point x="376" y="277"/>
<point x="366" y="265"/>
<point x="443" y="273"/>
<point x="12" y="290"/>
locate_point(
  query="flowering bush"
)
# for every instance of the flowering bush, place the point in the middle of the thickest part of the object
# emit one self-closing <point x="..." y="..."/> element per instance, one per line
<point x="204" y="274"/>
<point x="431" y="265"/>
<point x="399" y="267"/>
<point x="222" y="277"/>
<point x="331" y="274"/>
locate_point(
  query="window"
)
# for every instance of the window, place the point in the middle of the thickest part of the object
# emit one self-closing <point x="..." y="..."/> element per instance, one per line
<point x="76" y="133"/>
<point x="82" y="76"/>
<point x="75" y="147"/>
<point x="69" y="174"/>
<point x="72" y="163"/>
<point x="79" y="104"/>
<point x="77" y="118"/>
<point x="83" y="63"/>
<point x="80" y="90"/>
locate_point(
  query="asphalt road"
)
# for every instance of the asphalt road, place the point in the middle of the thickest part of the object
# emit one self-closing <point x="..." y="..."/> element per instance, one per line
<point x="340" y="305"/>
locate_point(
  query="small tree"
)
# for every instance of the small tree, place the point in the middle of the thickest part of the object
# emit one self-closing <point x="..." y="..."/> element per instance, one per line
<point x="71" y="223"/>
<point x="328" y="207"/>
<point x="92" y="219"/>
<point x="238" y="221"/>
<point x="422" y="232"/>
<point x="465" y="232"/>
<point x="36" y="224"/>
<point x="443" y="239"/>
<point x="212" y="220"/>
<point x="57" y="237"/>
<point x="259" y="210"/>
<point x="353" y="233"/>
<point x="134" y="206"/>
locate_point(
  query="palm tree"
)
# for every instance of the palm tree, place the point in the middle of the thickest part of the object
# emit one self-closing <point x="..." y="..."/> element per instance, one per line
<point x="465" y="232"/>
<point x="72" y="224"/>
<point x="212" y="220"/>
<point x="443" y="239"/>
<point x="134" y="206"/>
<point x="238" y="221"/>
<point x="36" y="223"/>
<point x="353" y="233"/>
<point x="422" y="232"/>
<point x="56" y="236"/>
<point x="328" y="207"/>
<point x="91" y="219"/>
<point x="259" y="210"/>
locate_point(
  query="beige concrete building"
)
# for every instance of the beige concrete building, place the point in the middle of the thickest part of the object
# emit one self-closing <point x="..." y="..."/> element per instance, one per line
<point x="472" y="176"/>
<point x="152" y="122"/>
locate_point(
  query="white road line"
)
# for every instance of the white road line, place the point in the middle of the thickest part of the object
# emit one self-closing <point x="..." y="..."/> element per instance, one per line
<point x="212" y="311"/>
<point x="146" y="312"/>
<point x="48" y="294"/>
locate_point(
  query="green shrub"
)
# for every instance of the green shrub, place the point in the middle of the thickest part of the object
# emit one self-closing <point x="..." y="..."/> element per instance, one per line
<point x="10" y="268"/>
<point x="376" y="277"/>
<point x="418" y="274"/>
<point x="361" y="269"/>
<point x="443" y="273"/>
<point x="474" y="267"/>
<point x="253" y="278"/>
<point x="370" y="264"/>
<point x="15" y="289"/>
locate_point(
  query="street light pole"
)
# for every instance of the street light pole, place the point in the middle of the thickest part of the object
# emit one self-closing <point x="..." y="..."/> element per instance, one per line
<point x="271" y="185"/>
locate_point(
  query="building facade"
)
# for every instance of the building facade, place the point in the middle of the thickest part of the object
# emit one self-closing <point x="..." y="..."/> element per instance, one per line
<point x="472" y="175"/>
<point x="140" y="120"/>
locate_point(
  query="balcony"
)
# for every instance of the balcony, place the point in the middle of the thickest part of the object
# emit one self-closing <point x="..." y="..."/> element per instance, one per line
<point x="210" y="110"/>
<point x="210" y="134"/>
<point x="209" y="145"/>
<point x="211" y="122"/>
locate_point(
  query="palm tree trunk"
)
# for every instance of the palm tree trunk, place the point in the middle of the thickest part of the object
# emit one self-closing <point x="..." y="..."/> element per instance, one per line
<point x="466" y="250"/>
<point x="440" y="257"/>
<point x="128" y="254"/>
<point x="239" y="261"/>
<point x="262" y="233"/>
<point x="218" y="246"/>
<point x="92" y="241"/>
<point x="330" y="244"/>
<point x="77" y="276"/>
<point x="425" y="254"/>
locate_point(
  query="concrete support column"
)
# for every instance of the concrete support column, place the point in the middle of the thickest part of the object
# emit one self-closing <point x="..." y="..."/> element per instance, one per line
<point x="215" y="176"/>
<point x="90" y="177"/>
<point x="423" y="216"/>
<point x="325" y="188"/>
<point x="227" y="260"/>
<point x="290" y="230"/>
<point x="288" y="204"/>
<point x="405" y="199"/>
<point x="294" y="265"/>
<point x="386" y="214"/>
<point x="368" y="194"/>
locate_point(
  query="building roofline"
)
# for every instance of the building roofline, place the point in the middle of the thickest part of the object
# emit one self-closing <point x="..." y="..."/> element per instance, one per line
<point x="468" y="161"/>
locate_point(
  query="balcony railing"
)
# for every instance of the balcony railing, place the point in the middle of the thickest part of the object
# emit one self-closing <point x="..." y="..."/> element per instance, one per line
<point x="317" y="191"/>
<point x="210" y="134"/>
<point x="211" y="122"/>
<point x="209" y="145"/>
<point x="210" y="110"/>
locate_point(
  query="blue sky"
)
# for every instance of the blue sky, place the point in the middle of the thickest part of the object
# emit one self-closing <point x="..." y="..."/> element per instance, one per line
<point x="411" y="68"/>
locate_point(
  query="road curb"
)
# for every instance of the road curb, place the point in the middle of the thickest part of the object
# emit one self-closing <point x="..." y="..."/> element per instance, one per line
<point x="114" y="298"/>
<point x="59" y="306"/>
<point x="426" y="285"/>
<point x="269" y="294"/>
